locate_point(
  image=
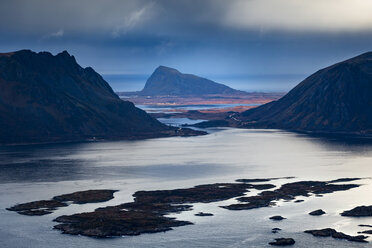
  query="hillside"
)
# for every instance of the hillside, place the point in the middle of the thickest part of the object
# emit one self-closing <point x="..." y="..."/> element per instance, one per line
<point x="336" y="99"/>
<point x="46" y="98"/>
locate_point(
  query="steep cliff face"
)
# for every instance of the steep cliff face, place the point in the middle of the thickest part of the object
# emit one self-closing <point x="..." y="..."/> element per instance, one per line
<point x="46" y="98"/>
<point x="335" y="99"/>
<point x="169" y="81"/>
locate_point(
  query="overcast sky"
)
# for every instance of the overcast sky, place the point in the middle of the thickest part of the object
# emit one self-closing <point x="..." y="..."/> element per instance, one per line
<point x="205" y="37"/>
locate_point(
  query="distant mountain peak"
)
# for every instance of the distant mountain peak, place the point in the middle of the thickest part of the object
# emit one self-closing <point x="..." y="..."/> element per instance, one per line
<point x="169" y="81"/>
<point x="162" y="68"/>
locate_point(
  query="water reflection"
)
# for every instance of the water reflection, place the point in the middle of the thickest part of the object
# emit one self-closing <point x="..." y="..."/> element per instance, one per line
<point x="227" y="152"/>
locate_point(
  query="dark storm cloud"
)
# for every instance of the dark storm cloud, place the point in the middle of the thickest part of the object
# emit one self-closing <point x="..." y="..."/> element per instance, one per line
<point x="118" y="16"/>
<point x="205" y="37"/>
<point x="103" y="17"/>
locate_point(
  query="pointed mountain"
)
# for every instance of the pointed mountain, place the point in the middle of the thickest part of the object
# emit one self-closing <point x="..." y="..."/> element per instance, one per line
<point x="46" y="98"/>
<point x="337" y="99"/>
<point x="168" y="81"/>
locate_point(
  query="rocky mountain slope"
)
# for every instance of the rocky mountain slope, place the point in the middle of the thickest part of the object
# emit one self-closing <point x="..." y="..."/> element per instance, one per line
<point x="46" y="98"/>
<point x="335" y="99"/>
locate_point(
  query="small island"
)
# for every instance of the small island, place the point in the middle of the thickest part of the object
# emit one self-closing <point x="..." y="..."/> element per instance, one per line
<point x="44" y="207"/>
<point x="149" y="209"/>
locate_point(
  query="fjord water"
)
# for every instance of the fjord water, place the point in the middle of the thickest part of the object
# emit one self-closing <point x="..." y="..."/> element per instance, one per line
<point x="30" y="173"/>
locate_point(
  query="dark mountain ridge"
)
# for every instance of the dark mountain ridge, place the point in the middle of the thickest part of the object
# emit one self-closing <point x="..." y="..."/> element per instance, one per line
<point x="46" y="98"/>
<point x="336" y="99"/>
<point x="168" y="81"/>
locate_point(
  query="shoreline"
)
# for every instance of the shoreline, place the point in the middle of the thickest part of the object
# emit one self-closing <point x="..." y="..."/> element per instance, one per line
<point x="164" y="134"/>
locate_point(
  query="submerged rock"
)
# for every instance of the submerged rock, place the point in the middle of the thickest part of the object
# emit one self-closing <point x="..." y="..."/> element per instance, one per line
<point x="283" y="242"/>
<point x="317" y="212"/>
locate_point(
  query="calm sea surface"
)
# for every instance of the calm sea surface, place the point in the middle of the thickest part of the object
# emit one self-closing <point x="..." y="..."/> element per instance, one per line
<point x="30" y="173"/>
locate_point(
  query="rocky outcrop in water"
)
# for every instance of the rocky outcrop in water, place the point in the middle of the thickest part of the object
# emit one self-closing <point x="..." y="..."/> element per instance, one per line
<point x="44" y="207"/>
<point x="329" y="232"/>
<point x="317" y="212"/>
<point x="148" y="212"/>
<point x="361" y="211"/>
<point x="277" y="217"/>
<point x="37" y="208"/>
<point x="288" y="191"/>
<point x="283" y="242"/>
<point x="121" y="220"/>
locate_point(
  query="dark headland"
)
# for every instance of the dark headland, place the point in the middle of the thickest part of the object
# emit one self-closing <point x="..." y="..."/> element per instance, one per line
<point x="334" y="100"/>
<point x="46" y="98"/>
